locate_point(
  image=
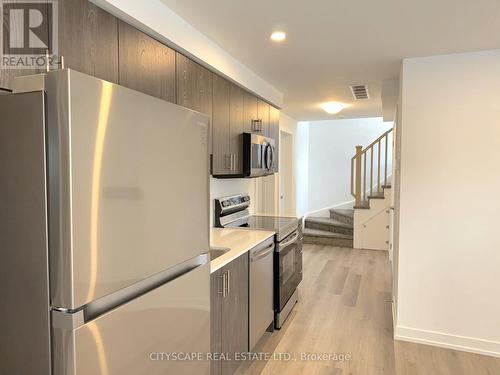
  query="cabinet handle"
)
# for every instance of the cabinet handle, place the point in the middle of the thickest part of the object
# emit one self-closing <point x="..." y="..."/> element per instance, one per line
<point x="224" y="282"/>
<point x="232" y="162"/>
<point x="255" y="127"/>
<point x="228" y="281"/>
<point x="227" y="158"/>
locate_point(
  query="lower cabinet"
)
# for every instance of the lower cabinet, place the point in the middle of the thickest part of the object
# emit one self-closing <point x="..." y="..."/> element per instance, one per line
<point x="229" y="314"/>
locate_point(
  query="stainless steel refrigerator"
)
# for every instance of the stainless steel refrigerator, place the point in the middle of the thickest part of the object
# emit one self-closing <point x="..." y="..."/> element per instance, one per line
<point x="104" y="230"/>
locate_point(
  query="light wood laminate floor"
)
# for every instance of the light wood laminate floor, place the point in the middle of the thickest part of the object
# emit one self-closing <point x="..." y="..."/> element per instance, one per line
<point x="345" y="307"/>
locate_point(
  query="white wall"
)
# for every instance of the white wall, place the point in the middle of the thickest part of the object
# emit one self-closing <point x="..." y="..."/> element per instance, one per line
<point x="289" y="126"/>
<point x="331" y="147"/>
<point x="156" y="19"/>
<point x="449" y="246"/>
<point x="225" y="187"/>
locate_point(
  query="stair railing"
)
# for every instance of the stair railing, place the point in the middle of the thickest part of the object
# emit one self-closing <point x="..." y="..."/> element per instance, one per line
<point x="363" y="164"/>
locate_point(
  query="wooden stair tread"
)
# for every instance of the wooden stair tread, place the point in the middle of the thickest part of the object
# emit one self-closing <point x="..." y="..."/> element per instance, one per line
<point x="328" y="221"/>
<point x="326" y="234"/>
<point x="379" y="195"/>
<point x="349" y="213"/>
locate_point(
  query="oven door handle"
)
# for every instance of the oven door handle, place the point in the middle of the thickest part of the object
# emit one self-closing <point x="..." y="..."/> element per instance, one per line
<point x="285" y="244"/>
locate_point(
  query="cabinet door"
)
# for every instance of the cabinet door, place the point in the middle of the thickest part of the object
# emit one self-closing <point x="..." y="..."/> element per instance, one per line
<point x="194" y="85"/>
<point x="250" y="113"/>
<point x="274" y="133"/>
<point x="88" y="39"/>
<point x="236" y="127"/>
<point x="194" y="88"/>
<point x="216" y="319"/>
<point x="222" y="159"/>
<point x="235" y="312"/>
<point x="263" y="114"/>
<point x="146" y="65"/>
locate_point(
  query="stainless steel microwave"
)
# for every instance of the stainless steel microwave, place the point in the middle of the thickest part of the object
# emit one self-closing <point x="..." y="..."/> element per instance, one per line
<point x="258" y="155"/>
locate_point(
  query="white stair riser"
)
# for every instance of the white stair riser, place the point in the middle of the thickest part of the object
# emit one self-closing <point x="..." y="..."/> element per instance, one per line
<point x="371" y="226"/>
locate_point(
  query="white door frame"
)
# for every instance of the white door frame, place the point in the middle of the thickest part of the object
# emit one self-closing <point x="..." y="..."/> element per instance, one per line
<point x="286" y="178"/>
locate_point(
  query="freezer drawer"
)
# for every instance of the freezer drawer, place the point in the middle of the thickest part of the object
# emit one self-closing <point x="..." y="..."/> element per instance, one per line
<point x="128" y="183"/>
<point x="129" y="340"/>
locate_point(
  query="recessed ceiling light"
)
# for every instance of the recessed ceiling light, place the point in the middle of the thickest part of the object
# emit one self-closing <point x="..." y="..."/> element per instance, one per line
<point x="333" y="107"/>
<point x="278" y="36"/>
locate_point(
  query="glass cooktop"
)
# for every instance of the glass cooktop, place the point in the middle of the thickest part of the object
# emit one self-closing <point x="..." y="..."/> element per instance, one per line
<point x="281" y="225"/>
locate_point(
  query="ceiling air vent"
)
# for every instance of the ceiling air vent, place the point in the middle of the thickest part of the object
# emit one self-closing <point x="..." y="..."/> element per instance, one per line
<point x="360" y="92"/>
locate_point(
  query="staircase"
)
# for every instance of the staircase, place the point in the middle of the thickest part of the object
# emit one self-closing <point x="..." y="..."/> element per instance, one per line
<point x="336" y="230"/>
<point x="367" y="225"/>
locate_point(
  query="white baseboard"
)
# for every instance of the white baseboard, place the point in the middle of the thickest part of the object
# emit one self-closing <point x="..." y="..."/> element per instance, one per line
<point x="348" y="204"/>
<point x="466" y="344"/>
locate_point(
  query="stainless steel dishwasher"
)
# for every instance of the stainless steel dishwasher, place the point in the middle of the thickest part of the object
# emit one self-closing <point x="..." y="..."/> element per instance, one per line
<point x="261" y="290"/>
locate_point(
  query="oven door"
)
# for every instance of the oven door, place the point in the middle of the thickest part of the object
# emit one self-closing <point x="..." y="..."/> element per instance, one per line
<point x="289" y="268"/>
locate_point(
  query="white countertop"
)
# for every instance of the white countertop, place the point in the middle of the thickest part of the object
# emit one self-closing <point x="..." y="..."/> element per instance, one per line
<point x="238" y="241"/>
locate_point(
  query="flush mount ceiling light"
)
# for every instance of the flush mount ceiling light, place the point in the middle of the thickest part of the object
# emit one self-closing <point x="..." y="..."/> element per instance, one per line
<point x="278" y="36"/>
<point x="333" y="107"/>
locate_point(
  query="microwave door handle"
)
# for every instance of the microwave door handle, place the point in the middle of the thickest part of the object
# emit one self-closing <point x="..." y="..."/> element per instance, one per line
<point x="271" y="164"/>
<point x="269" y="157"/>
<point x="264" y="157"/>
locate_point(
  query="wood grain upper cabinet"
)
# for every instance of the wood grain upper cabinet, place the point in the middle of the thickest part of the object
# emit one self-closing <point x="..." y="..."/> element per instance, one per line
<point x="194" y="85"/>
<point x="237" y="122"/>
<point x="227" y="128"/>
<point x="145" y="64"/>
<point x="222" y="159"/>
<point x="250" y="113"/>
<point x="256" y="115"/>
<point x="229" y="313"/>
<point x="263" y="114"/>
<point x="88" y="39"/>
<point x="274" y="133"/>
<point x="194" y="88"/>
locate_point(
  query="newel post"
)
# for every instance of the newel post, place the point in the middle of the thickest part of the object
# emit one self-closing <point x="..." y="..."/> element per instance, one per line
<point x="357" y="191"/>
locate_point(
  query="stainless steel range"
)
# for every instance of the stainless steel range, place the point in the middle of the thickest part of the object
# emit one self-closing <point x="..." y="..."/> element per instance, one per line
<point x="233" y="212"/>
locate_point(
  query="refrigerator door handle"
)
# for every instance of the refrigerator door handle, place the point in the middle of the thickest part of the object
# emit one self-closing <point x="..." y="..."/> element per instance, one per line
<point x="72" y="319"/>
<point x="66" y="319"/>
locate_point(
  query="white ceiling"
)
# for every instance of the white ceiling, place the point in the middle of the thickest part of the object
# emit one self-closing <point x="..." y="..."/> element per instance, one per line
<point x="334" y="43"/>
